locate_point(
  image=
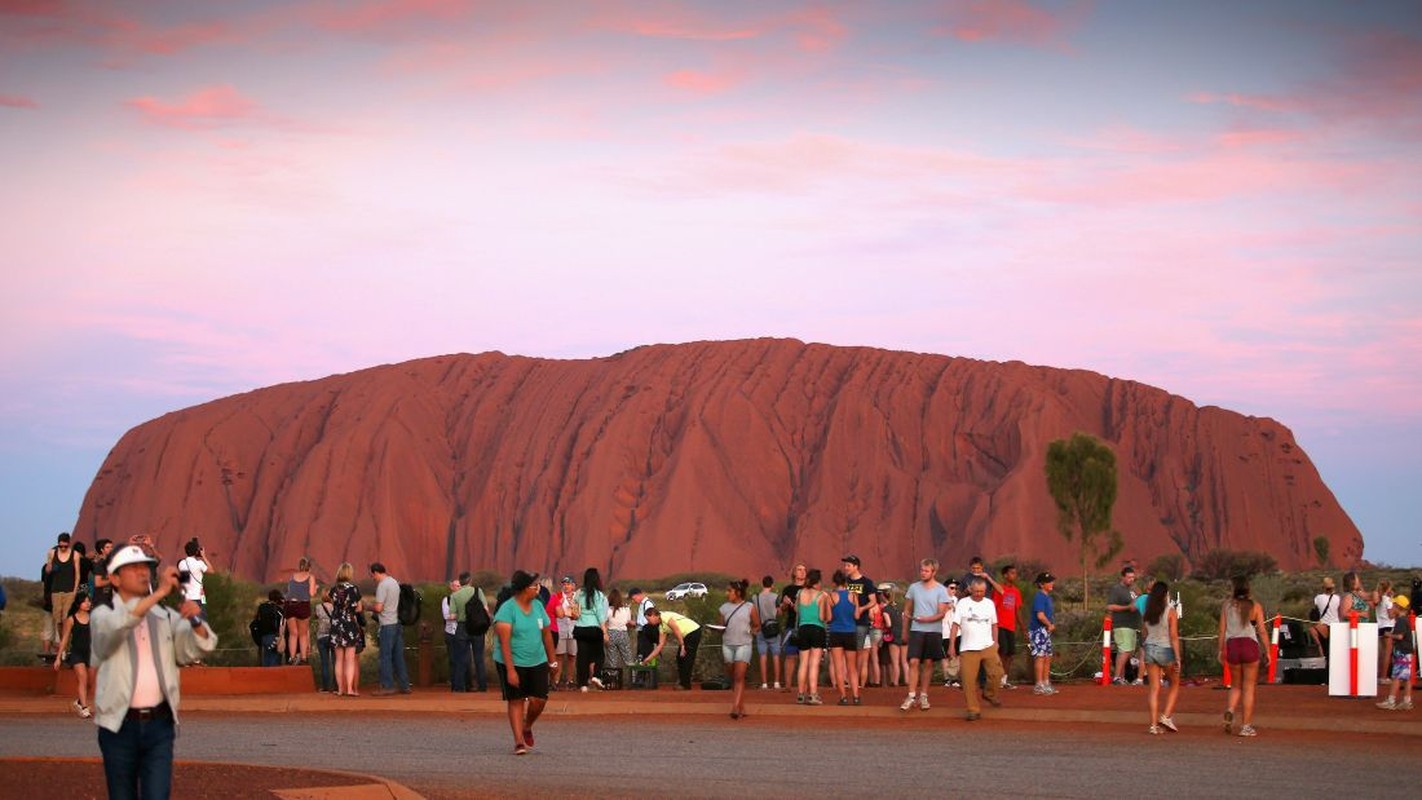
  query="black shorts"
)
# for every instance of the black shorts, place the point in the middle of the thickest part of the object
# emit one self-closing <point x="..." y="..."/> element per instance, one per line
<point x="1006" y="642"/>
<point x="844" y="641"/>
<point x="808" y="636"/>
<point x="532" y="682"/>
<point x="925" y="646"/>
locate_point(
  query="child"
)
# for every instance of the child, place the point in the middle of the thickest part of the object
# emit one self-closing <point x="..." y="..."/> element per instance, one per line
<point x="1039" y="633"/>
<point x="1403" y="659"/>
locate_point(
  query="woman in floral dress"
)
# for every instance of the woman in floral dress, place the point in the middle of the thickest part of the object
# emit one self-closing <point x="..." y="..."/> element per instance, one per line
<point x="346" y="633"/>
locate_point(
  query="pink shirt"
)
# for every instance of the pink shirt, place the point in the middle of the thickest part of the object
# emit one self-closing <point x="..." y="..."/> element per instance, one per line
<point x="146" y="690"/>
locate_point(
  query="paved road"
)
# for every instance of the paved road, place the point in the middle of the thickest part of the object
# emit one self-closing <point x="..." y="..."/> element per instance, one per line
<point x="451" y="755"/>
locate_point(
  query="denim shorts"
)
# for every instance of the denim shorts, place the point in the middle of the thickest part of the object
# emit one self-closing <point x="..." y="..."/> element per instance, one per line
<point x="765" y="646"/>
<point x="731" y="653"/>
<point x="1162" y="655"/>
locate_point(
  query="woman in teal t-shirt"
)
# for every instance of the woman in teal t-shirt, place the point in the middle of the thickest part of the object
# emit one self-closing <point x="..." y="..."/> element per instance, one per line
<point x="525" y="642"/>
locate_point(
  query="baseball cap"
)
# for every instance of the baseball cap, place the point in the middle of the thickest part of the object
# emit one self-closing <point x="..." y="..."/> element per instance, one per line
<point x="129" y="554"/>
<point x="850" y="559"/>
<point x="567" y="579"/>
<point x="1045" y="577"/>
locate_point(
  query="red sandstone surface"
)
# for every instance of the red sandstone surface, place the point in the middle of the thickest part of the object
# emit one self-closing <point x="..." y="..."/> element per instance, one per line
<point x="740" y="457"/>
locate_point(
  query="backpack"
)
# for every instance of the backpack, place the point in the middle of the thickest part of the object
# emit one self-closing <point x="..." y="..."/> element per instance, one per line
<point x="476" y="615"/>
<point x="407" y="612"/>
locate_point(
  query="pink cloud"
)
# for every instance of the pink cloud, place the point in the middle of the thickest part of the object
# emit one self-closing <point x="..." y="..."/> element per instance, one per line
<point x="812" y="29"/>
<point x="381" y="16"/>
<point x="1008" y="20"/>
<point x="211" y="107"/>
<point x="688" y="80"/>
<point x="17" y="101"/>
<point x="1378" y="81"/>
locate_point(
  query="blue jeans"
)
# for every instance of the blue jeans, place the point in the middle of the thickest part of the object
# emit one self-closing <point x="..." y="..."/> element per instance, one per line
<point x="458" y="644"/>
<point x="270" y="656"/>
<point x="481" y="671"/>
<point x="138" y="760"/>
<point x="327" y="652"/>
<point x="392" y="657"/>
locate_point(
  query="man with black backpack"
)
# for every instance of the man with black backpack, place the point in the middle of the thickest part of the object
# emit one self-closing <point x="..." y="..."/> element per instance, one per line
<point x="471" y="613"/>
<point x="392" y="634"/>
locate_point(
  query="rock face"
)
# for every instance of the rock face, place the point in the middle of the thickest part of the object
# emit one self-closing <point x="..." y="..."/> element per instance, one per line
<point x="740" y="457"/>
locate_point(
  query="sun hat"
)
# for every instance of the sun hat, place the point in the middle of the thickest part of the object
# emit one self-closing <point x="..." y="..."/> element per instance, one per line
<point x="129" y="554"/>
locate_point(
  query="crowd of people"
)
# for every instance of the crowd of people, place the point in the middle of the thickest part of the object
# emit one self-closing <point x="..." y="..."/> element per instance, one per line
<point x="577" y="636"/>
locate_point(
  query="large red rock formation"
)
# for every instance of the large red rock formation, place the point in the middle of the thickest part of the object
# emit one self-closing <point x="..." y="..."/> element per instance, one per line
<point x="739" y="457"/>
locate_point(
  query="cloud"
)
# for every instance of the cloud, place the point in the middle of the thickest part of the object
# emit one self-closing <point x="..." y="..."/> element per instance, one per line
<point x="1017" y="21"/>
<point x="1377" y="81"/>
<point x="211" y="107"/>
<point x="688" y="80"/>
<point x="17" y="101"/>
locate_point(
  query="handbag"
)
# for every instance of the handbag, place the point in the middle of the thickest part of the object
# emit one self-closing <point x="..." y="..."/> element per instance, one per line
<point x="769" y="624"/>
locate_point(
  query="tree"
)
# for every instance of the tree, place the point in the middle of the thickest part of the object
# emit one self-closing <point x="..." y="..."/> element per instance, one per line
<point x="1081" y="477"/>
<point x="1320" y="550"/>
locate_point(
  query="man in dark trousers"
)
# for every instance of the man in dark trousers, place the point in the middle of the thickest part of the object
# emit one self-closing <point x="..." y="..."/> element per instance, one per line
<point x="138" y="644"/>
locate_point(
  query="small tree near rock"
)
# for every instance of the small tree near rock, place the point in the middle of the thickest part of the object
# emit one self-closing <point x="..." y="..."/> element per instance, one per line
<point x="1081" y="477"/>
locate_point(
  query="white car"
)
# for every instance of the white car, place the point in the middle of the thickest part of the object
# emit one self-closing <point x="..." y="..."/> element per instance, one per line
<point x="684" y="590"/>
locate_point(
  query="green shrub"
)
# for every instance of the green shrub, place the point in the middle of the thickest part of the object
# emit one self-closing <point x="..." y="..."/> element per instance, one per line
<point x="1169" y="567"/>
<point x="1226" y="564"/>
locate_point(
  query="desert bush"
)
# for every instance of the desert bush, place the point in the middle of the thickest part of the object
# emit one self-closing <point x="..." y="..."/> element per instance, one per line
<point x="1225" y="564"/>
<point x="1169" y="567"/>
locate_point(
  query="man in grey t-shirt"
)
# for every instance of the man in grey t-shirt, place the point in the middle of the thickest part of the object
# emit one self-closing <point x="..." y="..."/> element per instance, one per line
<point x="1125" y="621"/>
<point x="392" y="634"/>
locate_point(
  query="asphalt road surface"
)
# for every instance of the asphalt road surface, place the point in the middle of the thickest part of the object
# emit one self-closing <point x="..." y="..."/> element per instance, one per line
<point x="449" y="756"/>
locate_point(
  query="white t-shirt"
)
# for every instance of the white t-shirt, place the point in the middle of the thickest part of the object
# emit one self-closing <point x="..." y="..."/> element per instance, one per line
<point x="950" y="617"/>
<point x="451" y="625"/>
<point x="618" y="619"/>
<point x="975" y="621"/>
<point x="1328" y="606"/>
<point x="1385" y="620"/>
<point x="566" y="624"/>
<point x="192" y="590"/>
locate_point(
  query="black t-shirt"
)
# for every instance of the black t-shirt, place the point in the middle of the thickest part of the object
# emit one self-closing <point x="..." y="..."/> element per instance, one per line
<point x="866" y="587"/>
<point x="1404" y="643"/>
<point x="790" y="593"/>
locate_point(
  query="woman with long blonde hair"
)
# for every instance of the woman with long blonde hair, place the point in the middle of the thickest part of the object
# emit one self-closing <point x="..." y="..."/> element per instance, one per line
<point x="346" y="633"/>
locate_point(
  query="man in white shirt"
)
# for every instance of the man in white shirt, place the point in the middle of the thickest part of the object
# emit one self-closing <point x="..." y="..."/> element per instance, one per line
<point x="451" y="624"/>
<point x="976" y="622"/>
<point x="138" y="644"/>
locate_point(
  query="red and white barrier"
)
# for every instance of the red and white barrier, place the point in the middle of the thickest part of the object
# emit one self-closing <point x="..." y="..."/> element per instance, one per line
<point x="1106" y="652"/>
<point x="1353" y="658"/>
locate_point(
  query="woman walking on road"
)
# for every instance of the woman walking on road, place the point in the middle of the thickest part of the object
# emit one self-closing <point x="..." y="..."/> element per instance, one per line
<point x="1162" y="655"/>
<point x="740" y="620"/>
<point x="524" y="657"/>
<point x="346" y="633"/>
<point x="1241" y="631"/>
<point x="76" y="637"/>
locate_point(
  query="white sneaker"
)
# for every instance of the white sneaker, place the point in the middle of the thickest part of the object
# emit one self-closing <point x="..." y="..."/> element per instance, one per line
<point x="1388" y="705"/>
<point x="596" y="682"/>
<point x="78" y="709"/>
<point x="923" y="702"/>
<point x="765" y="686"/>
<point x="777" y="686"/>
<point x="582" y="688"/>
<point x="85" y="712"/>
<point x="907" y="704"/>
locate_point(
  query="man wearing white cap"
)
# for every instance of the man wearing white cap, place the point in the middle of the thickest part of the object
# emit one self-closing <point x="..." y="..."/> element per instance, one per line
<point x="138" y="645"/>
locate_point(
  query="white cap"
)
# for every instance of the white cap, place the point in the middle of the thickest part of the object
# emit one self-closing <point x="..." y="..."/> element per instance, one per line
<point x="129" y="554"/>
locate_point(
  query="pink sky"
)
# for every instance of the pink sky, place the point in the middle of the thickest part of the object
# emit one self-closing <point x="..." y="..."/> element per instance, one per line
<point x="1219" y="201"/>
